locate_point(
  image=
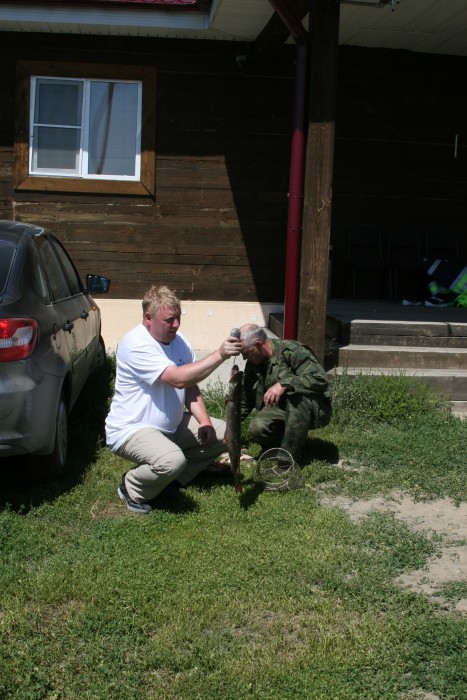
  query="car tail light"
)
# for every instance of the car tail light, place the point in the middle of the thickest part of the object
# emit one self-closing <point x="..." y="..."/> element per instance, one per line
<point x="17" y="338"/>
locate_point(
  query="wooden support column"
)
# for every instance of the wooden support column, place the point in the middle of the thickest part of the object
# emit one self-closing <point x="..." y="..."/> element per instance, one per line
<point x="324" y="33"/>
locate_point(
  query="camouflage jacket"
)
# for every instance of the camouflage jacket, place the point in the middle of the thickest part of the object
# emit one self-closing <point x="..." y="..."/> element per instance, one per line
<point x="292" y="364"/>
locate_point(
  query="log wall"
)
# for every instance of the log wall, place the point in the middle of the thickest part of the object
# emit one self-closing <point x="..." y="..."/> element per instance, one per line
<point x="216" y="228"/>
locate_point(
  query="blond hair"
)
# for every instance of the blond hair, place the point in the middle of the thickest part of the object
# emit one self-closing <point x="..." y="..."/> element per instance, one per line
<point x="158" y="297"/>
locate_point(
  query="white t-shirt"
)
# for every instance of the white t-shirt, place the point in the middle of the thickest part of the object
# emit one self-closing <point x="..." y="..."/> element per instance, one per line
<point x="141" y="400"/>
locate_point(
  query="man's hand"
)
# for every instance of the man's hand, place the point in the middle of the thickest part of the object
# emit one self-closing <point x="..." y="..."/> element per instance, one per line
<point x="230" y="347"/>
<point x="273" y="394"/>
<point x="206" y="435"/>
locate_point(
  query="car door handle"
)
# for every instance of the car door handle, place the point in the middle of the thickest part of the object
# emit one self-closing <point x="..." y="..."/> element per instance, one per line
<point x="85" y="314"/>
<point x="68" y="326"/>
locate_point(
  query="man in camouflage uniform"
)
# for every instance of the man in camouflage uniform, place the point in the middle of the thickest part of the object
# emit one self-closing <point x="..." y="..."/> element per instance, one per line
<point x="287" y="386"/>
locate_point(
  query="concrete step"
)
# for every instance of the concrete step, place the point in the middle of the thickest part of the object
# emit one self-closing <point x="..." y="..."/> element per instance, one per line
<point x="372" y="338"/>
<point x="443" y="335"/>
<point x="276" y="324"/>
<point x="396" y="356"/>
<point x="405" y="333"/>
<point x="459" y="408"/>
<point x="448" y="382"/>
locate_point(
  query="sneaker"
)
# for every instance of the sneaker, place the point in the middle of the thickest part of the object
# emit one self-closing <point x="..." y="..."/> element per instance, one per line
<point x="436" y="302"/>
<point x="130" y="503"/>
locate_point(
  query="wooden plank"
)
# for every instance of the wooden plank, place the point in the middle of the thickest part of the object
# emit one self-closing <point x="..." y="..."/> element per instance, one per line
<point x="259" y="146"/>
<point x="185" y="289"/>
<point x="160" y="254"/>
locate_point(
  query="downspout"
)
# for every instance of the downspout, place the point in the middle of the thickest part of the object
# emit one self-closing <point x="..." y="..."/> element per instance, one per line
<point x="295" y="213"/>
<point x="296" y="178"/>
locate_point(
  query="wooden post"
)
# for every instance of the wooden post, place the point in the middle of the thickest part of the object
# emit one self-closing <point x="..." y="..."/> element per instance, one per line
<point x="324" y="33"/>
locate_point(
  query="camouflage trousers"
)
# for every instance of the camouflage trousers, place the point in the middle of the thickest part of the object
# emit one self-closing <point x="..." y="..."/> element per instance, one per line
<point x="288" y="427"/>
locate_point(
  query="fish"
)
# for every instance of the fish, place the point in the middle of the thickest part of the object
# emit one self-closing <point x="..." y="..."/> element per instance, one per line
<point x="232" y="437"/>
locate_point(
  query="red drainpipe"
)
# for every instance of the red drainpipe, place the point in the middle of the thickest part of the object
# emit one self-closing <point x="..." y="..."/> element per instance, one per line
<point x="295" y="214"/>
<point x="297" y="161"/>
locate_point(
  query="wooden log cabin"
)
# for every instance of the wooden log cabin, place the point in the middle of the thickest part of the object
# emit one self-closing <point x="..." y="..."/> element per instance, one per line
<point x="208" y="214"/>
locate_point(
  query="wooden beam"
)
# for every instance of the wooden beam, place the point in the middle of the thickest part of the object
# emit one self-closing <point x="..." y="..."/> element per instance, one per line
<point x="275" y="33"/>
<point x="324" y="33"/>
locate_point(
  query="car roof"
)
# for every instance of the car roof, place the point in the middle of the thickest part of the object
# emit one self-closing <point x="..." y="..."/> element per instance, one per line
<point x="12" y="231"/>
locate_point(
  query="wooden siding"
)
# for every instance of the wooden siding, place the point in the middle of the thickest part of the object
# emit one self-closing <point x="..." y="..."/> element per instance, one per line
<point x="216" y="227"/>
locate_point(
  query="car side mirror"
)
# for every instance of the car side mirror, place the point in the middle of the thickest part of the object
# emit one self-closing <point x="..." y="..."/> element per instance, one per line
<point x="97" y="284"/>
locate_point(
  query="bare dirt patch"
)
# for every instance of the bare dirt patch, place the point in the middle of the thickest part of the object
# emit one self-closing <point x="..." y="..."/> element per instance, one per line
<point x="101" y="510"/>
<point x="441" y="519"/>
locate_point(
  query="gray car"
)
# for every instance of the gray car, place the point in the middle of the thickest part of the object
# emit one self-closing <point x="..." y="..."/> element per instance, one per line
<point x="50" y="341"/>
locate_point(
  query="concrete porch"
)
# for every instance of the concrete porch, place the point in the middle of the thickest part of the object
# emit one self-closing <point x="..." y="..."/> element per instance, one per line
<point x="382" y="337"/>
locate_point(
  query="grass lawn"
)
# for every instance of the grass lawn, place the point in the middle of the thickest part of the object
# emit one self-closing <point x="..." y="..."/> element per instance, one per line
<point x="264" y="596"/>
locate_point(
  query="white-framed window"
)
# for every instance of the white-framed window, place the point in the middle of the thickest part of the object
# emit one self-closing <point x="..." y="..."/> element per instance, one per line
<point x="85" y="128"/>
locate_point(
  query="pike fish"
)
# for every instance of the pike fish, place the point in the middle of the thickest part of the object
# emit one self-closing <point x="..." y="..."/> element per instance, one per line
<point x="232" y="437"/>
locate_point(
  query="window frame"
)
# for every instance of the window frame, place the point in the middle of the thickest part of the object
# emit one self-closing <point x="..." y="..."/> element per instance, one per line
<point x="25" y="181"/>
<point x="82" y="128"/>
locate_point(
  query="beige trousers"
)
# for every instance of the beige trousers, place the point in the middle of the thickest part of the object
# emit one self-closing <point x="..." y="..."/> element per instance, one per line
<point x="162" y="458"/>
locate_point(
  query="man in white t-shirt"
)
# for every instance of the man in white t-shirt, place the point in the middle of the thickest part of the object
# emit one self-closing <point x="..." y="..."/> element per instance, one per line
<point x="158" y="418"/>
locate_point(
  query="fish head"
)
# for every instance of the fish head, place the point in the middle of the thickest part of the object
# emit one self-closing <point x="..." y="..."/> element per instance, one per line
<point x="234" y="386"/>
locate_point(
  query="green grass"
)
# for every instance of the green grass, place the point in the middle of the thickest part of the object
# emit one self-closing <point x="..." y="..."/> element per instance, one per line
<point x="266" y="596"/>
<point x="397" y="434"/>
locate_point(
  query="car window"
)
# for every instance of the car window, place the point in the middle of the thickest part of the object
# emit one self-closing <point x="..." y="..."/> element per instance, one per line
<point x="7" y="253"/>
<point x="55" y="274"/>
<point x="73" y="279"/>
<point x="39" y="281"/>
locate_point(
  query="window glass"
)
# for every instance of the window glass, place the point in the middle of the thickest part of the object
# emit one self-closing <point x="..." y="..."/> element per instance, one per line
<point x="113" y="128"/>
<point x="73" y="279"/>
<point x="55" y="274"/>
<point x="55" y="149"/>
<point x="56" y="143"/>
<point x="58" y="102"/>
<point x="7" y="253"/>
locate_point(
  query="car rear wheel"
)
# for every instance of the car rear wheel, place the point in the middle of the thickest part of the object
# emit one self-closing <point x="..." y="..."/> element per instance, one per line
<point x="57" y="459"/>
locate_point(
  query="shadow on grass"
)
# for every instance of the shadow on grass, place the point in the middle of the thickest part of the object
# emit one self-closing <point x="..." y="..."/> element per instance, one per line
<point x="251" y="494"/>
<point x="174" y="499"/>
<point x="319" y="449"/>
<point x="25" y="483"/>
<point x="251" y="488"/>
